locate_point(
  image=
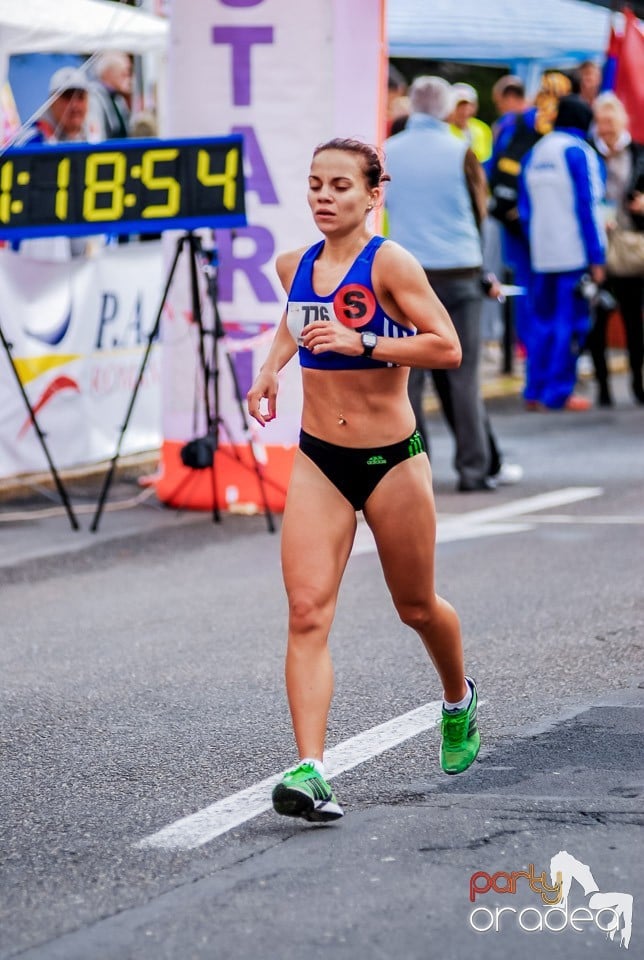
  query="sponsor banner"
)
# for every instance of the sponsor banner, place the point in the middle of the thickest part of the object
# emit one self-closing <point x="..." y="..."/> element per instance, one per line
<point x="287" y="76"/>
<point x="78" y="331"/>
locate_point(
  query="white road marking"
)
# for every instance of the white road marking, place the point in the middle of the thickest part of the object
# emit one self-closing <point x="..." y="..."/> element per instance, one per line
<point x="210" y="822"/>
<point x="447" y="531"/>
<point x="450" y="530"/>
<point x="542" y="501"/>
<point x="601" y="520"/>
<point x="226" y="814"/>
<point x="489" y="521"/>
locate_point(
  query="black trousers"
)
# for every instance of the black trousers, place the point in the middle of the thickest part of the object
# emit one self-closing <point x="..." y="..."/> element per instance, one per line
<point x="628" y="293"/>
<point x="441" y="385"/>
<point x="476" y="451"/>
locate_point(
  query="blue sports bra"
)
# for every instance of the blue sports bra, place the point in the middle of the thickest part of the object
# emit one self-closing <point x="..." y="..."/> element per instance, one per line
<point x="352" y="303"/>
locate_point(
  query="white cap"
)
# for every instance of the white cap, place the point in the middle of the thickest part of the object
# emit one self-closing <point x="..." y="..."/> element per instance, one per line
<point x="68" y="78"/>
<point x="464" y="93"/>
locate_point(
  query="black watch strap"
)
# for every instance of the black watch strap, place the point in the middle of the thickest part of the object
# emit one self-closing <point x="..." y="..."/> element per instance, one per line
<point x="369" y="341"/>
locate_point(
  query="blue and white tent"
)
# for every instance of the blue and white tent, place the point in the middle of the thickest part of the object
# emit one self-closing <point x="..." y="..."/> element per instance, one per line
<point x="80" y="26"/>
<point x="524" y="35"/>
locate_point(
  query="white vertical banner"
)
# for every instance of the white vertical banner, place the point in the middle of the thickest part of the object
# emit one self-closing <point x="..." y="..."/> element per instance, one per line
<point x="287" y="75"/>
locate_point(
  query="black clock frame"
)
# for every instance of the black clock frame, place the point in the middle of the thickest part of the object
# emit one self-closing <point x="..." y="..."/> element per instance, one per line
<point x="46" y="176"/>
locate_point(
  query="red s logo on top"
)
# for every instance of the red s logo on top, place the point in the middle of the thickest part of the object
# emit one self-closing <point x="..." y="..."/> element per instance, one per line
<point x="354" y="305"/>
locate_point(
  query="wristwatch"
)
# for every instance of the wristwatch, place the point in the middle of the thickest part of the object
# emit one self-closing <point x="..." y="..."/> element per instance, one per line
<point x="369" y="341"/>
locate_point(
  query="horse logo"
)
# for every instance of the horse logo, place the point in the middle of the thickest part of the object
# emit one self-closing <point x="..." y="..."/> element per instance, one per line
<point x="564" y="868"/>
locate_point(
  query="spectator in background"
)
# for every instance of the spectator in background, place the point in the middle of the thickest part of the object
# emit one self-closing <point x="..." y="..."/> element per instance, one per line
<point x="520" y="124"/>
<point x="112" y="94"/>
<point x="66" y="118"/>
<point x="553" y="86"/>
<point x="515" y="125"/>
<point x="508" y="95"/>
<point x="144" y="124"/>
<point x="624" y="162"/>
<point x="515" y="135"/>
<point x="435" y="203"/>
<point x="9" y="118"/>
<point x="111" y="97"/>
<point x="396" y="91"/>
<point x="466" y="125"/>
<point x="560" y="193"/>
<point x="589" y="79"/>
<point x="399" y="112"/>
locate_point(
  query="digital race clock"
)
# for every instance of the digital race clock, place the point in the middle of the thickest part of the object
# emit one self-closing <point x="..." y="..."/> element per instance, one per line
<point x="121" y="186"/>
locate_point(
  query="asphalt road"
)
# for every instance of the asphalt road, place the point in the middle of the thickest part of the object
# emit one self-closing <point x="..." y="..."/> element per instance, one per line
<point x="141" y="678"/>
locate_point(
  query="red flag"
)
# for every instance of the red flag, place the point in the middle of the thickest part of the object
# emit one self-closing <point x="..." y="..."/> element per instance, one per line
<point x="629" y="82"/>
<point x="610" y="63"/>
<point x="614" y="43"/>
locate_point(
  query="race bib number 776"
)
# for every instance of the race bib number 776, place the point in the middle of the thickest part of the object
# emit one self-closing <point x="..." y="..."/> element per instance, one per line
<point x="353" y="306"/>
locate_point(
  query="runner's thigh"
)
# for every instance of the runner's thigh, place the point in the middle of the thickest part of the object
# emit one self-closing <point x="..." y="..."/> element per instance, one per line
<point x="402" y="517"/>
<point x="317" y="532"/>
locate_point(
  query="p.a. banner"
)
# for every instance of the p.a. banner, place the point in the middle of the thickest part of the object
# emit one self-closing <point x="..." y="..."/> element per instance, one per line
<point x="78" y="330"/>
<point x="287" y="75"/>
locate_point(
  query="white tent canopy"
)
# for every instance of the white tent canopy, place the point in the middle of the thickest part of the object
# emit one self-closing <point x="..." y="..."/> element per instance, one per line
<point x="78" y="26"/>
<point x="502" y="32"/>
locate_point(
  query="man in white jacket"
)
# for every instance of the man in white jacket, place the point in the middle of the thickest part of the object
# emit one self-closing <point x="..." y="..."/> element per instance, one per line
<point x="561" y="190"/>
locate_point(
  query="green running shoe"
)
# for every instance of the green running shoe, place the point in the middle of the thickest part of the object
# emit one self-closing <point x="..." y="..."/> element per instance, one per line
<point x="302" y="792"/>
<point x="461" y="738"/>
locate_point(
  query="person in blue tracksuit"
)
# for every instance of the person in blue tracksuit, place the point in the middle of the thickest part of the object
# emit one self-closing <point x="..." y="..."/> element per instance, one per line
<point x="560" y="194"/>
<point x="516" y="131"/>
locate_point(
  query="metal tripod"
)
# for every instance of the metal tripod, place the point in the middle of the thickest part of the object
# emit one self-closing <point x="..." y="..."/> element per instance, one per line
<point x="41" y="437"/>
<point x="208" y="360"/>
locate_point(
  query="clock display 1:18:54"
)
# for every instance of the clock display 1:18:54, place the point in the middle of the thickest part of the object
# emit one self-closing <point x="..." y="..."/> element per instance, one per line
<point x="128" y="182"/>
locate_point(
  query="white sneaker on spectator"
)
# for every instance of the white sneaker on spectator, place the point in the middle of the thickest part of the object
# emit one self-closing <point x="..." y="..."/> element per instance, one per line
<point x="508" y="474"/>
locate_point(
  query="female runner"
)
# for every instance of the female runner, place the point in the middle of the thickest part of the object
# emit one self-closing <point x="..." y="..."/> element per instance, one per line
<point x="360" y="312"/>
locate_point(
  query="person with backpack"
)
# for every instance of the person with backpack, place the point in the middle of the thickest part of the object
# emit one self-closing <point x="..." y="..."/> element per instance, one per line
<point x="516" y="133"/>
<point x="560" y="195"/>
<point x="508" y="96"/>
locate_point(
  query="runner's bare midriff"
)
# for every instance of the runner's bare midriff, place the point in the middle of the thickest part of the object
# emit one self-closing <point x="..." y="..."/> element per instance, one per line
<point x="357" y="410"/>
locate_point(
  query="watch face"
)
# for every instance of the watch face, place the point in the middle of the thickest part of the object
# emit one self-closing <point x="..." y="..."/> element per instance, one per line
<point x="369" y="339"/>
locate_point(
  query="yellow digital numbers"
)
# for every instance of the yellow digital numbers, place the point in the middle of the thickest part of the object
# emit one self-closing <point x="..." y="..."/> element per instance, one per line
<point x="138" y="186"/>
<point x="227" y="179"/>
<point x="61" y="205"/>
<point x="6" y="183"/>
<point x="150" y="180"/>
<point x="113" y="186"/>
